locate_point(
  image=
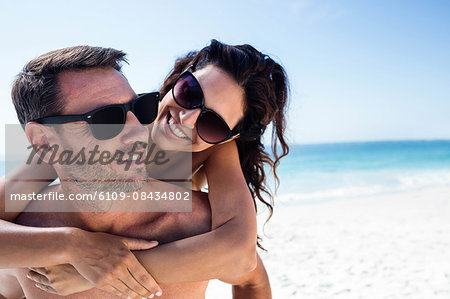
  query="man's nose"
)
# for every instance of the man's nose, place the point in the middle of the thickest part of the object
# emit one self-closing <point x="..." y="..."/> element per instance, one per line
<point x="188" y="117"/>
<point x="133" y="130"/>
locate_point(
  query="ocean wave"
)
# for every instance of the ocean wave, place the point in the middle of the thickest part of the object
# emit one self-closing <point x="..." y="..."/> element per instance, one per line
<point x="357" y="184"/>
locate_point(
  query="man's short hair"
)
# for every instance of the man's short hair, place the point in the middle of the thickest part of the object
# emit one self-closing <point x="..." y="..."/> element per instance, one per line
<point x="36" y="93"/>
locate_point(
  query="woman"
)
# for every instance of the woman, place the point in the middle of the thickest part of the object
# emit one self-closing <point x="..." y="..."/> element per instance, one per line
<point x="257" y="88"/>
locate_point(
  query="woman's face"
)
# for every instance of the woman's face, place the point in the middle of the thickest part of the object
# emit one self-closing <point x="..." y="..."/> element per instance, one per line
<point x="222" y="94"/>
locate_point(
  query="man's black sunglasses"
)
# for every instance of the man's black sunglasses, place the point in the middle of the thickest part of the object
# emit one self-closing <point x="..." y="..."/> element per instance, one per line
<point x="108" y="121"/>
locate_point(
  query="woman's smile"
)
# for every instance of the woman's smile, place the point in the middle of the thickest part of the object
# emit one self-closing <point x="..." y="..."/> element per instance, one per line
<point x="174" y="127"/>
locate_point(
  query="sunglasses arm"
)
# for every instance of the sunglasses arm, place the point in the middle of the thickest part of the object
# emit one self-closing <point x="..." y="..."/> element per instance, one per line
<point x="61" y="119"/>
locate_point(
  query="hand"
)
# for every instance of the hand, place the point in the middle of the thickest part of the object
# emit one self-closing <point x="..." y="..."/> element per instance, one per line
<point x="106" y="261"/>
<point x="62" y="280"/>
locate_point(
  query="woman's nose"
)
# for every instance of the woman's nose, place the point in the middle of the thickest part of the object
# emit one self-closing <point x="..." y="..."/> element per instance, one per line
<point x="188" y="117"/>
<point x="134" y="130"/>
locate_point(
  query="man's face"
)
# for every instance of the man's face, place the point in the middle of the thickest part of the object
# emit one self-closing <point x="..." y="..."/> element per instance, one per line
<point x="83" y="91"/>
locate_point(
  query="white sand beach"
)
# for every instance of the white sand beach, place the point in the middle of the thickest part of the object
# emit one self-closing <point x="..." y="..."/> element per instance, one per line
<point x="385" y="246"/>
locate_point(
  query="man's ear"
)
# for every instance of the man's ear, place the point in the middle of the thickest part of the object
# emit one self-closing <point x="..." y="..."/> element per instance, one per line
<point x="40" y="138"/>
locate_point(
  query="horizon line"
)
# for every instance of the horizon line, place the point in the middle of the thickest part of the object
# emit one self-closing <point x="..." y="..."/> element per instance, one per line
<point x="367" y="141"/>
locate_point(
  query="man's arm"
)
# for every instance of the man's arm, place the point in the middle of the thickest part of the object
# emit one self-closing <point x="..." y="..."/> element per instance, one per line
<point x="25" y="178"/>
<point x="14" y="238"/>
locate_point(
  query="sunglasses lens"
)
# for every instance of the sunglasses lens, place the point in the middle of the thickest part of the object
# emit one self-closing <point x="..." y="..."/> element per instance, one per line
<point x="212" y="128"/>
<point x="187" y="92"/>
<point x="107" y="123"/>
<point x="146" y="108"/>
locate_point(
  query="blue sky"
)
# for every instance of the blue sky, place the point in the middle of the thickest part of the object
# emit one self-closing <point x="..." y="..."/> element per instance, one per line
<point x="359" y="70"/>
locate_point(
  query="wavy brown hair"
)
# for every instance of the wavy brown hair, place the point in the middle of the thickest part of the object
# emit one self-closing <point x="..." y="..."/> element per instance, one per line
<point x="266" y="87"/>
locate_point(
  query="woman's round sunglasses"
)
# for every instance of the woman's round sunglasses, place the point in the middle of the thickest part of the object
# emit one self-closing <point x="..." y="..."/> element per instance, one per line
<point x="108" y="121"/>
<point x="211" y="127"/>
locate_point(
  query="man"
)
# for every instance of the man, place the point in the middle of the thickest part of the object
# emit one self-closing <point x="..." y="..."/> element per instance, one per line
<point x="84" y="79"/>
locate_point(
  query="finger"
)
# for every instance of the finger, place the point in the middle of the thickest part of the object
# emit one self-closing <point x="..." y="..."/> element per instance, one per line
<point x="34" y="276"/>
<point x="40" y="270"/>
<point x="124" y="289"/>
<point x="138" y="244"/>
<point x="46" y="288"/>
<point x="134" y="285"/>
<point x="112" y="290"/>
<point x="141" y="275"/>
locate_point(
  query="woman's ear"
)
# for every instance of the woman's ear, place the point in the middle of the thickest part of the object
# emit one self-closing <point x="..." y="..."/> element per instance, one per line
<point x="39" y="135"/>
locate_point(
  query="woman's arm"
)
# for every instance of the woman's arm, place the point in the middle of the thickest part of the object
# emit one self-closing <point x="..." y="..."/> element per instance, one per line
<point x="64" y="280"/>
<point x="254" y="284"/>
<point x="229" y="249"/>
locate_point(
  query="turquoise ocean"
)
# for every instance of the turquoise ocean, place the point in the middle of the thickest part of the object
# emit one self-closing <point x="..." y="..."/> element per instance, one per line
<point x="322" y="172"/>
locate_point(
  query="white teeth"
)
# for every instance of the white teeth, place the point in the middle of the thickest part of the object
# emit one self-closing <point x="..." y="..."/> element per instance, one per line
<point x="175" y="130"/>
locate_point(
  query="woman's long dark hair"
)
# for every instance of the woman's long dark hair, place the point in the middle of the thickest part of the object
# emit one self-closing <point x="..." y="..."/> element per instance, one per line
<point x="266" y="89"/>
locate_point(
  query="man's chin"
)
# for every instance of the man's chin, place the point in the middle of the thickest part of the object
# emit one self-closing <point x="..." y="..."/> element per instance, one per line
<point x="129" y="181"/>
<point x="116" y="184"/>
<point x="133" y="186"/>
